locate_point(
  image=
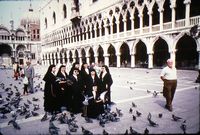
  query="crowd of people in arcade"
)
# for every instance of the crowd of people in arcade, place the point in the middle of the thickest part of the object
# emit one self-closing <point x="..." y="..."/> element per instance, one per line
<point x="84" y="89"/>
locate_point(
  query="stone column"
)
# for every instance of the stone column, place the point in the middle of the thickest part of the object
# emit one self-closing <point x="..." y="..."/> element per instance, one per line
<point x="199" y="60"/>
<point x="172" y="56"/>
<point x="100" y="32"/>
<point x="132" y="25"/>
<point x="173" y="16"/>
<point x="118" y="60"/>
<point x="150" y="64"/>
<point x="150" y="21"/>
<point x="161" y="19"/>
<point x="141" y="23"/>
<point x="88" y="60"/>
<point x="111" y="28"/>
<point x="80" y="61"/>
<point x="187" y="12"/>
<point x="96" y="58"/>
<point x="117" y="25"/>
<point x="106" y="59"/>
<point x="58" y="54"/>
<point x="132" y="60"/>
<point x="125" y="25"/>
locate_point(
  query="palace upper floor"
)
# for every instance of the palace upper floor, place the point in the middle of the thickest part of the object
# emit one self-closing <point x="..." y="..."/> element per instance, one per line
<point x="95" y="22"/>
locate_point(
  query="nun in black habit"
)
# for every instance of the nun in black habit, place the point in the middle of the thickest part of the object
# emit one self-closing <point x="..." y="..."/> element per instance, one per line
<point x="50" y="91"/>
<point x="64" y="82"/>
<point x="77" y="91"/>
<point x="106" y="82"/>
<point x="95" y="104"/>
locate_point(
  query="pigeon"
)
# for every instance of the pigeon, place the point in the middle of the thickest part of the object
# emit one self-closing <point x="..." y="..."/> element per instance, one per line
<point x="146" y="131"/>
<point x="131" y="88"/>
<point x="88" y="120"/>
<point x="72" y="128"/>
<point x="86" y="132"/>
<point x="152" y="123"/>
<point x="53" y="130"/>
<point x="35" y="99"/>
<point x="29" y="102"/>
<point x="28" y="114"/>
<point x="34" y="113"/>
<point x="35" y="107"/>
<point x="138" y="113"/>
<point x="53" y="117"/>
<point x="155" y="93"/>
<point x="130" y="110"/>
<point x="68" y="133"/>
<point x="148" y="91"/>
<point x="14" y="123"/>
<point x="119" y="112"/>
<point x="176" y="118"/>
<point x="105" y="132"/>
<point x="160" y="115"/>
<point x="26" y="105"/>
<point x="133" y="104"/>
<point x="134" y="118"/>
<point x="132" y="131"/>
<point x="183" y="127"/>
<point x="126" y="132"/>
<point x="62" y="119"/>
<point x="44" y="118"/>
<point x="149" y="116"/>
<point x="3" y="116"/>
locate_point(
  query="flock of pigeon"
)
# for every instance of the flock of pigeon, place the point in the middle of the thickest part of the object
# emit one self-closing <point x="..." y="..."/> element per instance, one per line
<point x="13" y="104"/>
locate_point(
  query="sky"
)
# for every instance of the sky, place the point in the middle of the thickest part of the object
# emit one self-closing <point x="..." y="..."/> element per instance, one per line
<point x="15" y="9"/>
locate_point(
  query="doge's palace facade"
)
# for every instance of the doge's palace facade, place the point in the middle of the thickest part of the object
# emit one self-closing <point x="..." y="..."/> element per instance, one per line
<point x="121" y="33"/>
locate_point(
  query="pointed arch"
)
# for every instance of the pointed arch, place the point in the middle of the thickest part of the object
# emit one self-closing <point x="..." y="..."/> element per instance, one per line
<point x="112" y="56"/>
<point x="161" y="52"/>
<point x="186" y="54"/>
<point x="167" y="11"/>
<point x="128" y="20"/>
<point x="155" y="15"/>
<point x="141" y="57"/>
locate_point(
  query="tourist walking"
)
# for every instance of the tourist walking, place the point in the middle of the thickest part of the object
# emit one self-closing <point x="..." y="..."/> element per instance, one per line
<point x="169" y="77"/>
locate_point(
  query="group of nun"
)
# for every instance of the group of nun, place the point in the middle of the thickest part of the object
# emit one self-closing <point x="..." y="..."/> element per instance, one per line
<point x="80" y="91"/>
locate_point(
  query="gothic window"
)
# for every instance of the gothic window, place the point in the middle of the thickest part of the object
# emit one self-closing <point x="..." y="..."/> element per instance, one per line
<point x="45" y="22"/>
<point x="54" y="18"/>
<point x="64" y="11"/>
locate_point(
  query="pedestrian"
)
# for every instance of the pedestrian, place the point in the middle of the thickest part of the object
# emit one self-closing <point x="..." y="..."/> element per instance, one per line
<point x="169" y="77"/>
<point x="106" y="82"/>
<point x="64" y="87"/>
<point x="77" y="91"/>
<point x="29" y="73"/>
<point x="50" y="91"/>
<point x="16" y="70"/>
<point x="84" y="73"/>
<point x="75" y="65"/>
<point x="95" y="104"/>
<point x="25" y="82"/>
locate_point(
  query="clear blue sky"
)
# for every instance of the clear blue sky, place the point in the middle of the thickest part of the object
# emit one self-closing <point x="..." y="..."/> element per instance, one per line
<point x="15" y="9"/>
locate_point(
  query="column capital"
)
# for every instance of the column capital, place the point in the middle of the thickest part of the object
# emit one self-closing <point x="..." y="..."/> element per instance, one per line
<point x="187" y="2"/>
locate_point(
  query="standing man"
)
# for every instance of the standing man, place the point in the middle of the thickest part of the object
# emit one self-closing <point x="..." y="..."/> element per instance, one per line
<point x="29" y="73"/>
<point x="169" y="77"/>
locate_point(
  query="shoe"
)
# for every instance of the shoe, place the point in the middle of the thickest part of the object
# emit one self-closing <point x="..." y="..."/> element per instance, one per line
<point x="169" y="108"/>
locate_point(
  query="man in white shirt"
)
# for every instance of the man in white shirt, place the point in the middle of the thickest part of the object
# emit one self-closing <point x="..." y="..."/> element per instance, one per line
<point x="169" y="77"/>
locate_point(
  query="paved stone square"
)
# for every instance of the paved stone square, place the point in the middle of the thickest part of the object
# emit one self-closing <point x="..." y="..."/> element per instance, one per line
<point x="130" y="85"/>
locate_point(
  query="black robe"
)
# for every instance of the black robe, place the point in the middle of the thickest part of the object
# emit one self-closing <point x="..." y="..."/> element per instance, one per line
<point x="63" y="93"/>
<point x="76" y="94"/>
<point x="50" y="93"/>
<point x="94" y="108"/>
<point x="106" y="80"/>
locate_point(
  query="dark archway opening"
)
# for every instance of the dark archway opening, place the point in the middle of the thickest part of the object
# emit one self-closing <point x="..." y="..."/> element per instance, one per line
<point x="141" y="57"/>
<point x="125" y="57"/>
<point x="112" y="57"/>
<point x="161" y="53"/>
<point x="186" y="55"/>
